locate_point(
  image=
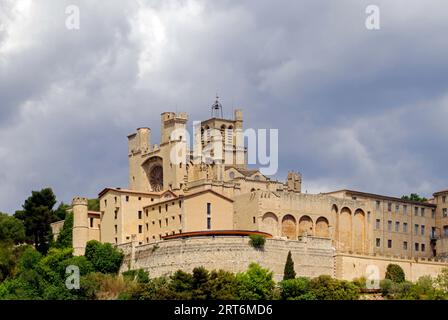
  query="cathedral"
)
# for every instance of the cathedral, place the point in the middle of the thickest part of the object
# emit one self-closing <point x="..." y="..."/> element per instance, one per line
<point x="208" y="192"/>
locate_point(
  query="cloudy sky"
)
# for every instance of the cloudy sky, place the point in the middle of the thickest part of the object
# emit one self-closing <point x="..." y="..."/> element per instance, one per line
<point x="355" y="108"/>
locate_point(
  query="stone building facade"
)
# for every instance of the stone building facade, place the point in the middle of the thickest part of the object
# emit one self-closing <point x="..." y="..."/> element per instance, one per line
<point x="214" y="190"/>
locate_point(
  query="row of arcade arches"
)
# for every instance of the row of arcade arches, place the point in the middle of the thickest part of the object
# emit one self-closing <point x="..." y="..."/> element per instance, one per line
<point x="347" y="229"/>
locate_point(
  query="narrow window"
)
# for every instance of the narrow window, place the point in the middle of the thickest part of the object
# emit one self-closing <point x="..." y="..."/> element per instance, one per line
<point x="209" y="223"/>
<point x="416" y="229"/>
<point x="397" y="226"/>
<point x="405" y="245"/>
<point x="422" y="230"/>
<point x="423" y="247"/>
<point x="416" y="246"/>
<point x="378" y="224"/>
<point x="389" y="243"/>
<point x="116" y="229"/>
<point x="127" y="198"/>
<point x="405" y="227"/>
<point x="209" y="208"/>
<point x="389" y="226"/>
<point x="378" y="242"/>
<point x="140" y="215"/>
<point x="91" y="222"/>
<point x="254" y="219"/>
<point x="389" y="206"/>
<point x="140" y="229"/>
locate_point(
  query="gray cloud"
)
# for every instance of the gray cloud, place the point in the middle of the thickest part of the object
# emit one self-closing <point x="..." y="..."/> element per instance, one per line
<point x="355" y="108"/>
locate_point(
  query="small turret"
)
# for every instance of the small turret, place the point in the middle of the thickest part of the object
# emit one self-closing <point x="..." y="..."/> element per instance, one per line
<point x="80" y="225"/>
<point x="294" y="182"/>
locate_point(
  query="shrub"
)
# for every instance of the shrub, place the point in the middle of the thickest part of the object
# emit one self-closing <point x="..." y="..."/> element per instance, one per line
<point x="441" y="281"/>
<point x="99" y="286"/>
<point x="104" y="257"/>
<point x="326" y="288"/>
<point x="139" y="276"/>
<point x="385" y="287"/>
<point x="360" y="282"/>
<point x="395" y="273"/>
<point x="296" y="289"/>
<point x="289" y="272"/>
<point x="257" y="241"/>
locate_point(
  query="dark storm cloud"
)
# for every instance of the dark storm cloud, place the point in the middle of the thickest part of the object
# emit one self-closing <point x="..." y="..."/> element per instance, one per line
<point x="355" y="108"/>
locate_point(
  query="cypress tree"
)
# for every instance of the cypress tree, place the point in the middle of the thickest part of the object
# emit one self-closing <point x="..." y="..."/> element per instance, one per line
<point x="289" y="272"/>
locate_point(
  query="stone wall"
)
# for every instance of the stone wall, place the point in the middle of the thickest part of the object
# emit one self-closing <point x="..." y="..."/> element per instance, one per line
<point x="312" y="256"/>
<point x="349" y="266"/>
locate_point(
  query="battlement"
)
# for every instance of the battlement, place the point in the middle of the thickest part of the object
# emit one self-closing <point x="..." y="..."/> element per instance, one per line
<point x="79" y="201"/>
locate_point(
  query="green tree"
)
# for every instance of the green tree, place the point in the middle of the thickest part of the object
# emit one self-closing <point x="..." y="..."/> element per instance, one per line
<point x="181" y="284"/>
<point x="93" y="204"/>
<point x="255" y="284"/>
<point x="296" y="289"/>
<point x="326" y="288"/>
<point x="395" y="273"/>
<point x="61" y="211"/>
<point x="9" y="260"/>
<point x="11" y="229"/>
<point x="65" y="238"/>
<point x="414" y="197"/>
<point x="37" y="215"/>
<point x="223" y="285"/>
<point x="289" y="272"/>
<point x="104" y="257"/>
<point x="200" y="284"/>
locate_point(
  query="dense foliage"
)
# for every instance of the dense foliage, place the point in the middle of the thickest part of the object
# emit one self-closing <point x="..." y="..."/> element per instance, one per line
<point x="65" y="238"/>
<point x="103" y="257"/>
<point x="414" y="197"/>
<point x="11" y="230"/>
<point x="395" y="273"/>
<point x="257" y="241"/>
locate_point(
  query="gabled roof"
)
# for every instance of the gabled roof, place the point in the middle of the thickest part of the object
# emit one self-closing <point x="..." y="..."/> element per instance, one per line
<point x="127" y="191"/>
<point x="245" y="172"/>
<point x="189" y="195"/>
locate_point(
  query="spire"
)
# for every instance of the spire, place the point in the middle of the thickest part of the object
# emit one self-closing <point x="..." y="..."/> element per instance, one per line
<point x="217" y="109"/>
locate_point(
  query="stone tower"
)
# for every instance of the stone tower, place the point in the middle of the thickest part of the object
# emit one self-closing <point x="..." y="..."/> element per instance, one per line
<point x="294" y="182"/>
<point x="80" y="225"/>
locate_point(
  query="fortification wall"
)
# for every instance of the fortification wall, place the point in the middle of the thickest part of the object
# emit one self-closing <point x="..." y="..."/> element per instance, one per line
<point x="312" y="256"/>
<point x="352" y="266"/>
